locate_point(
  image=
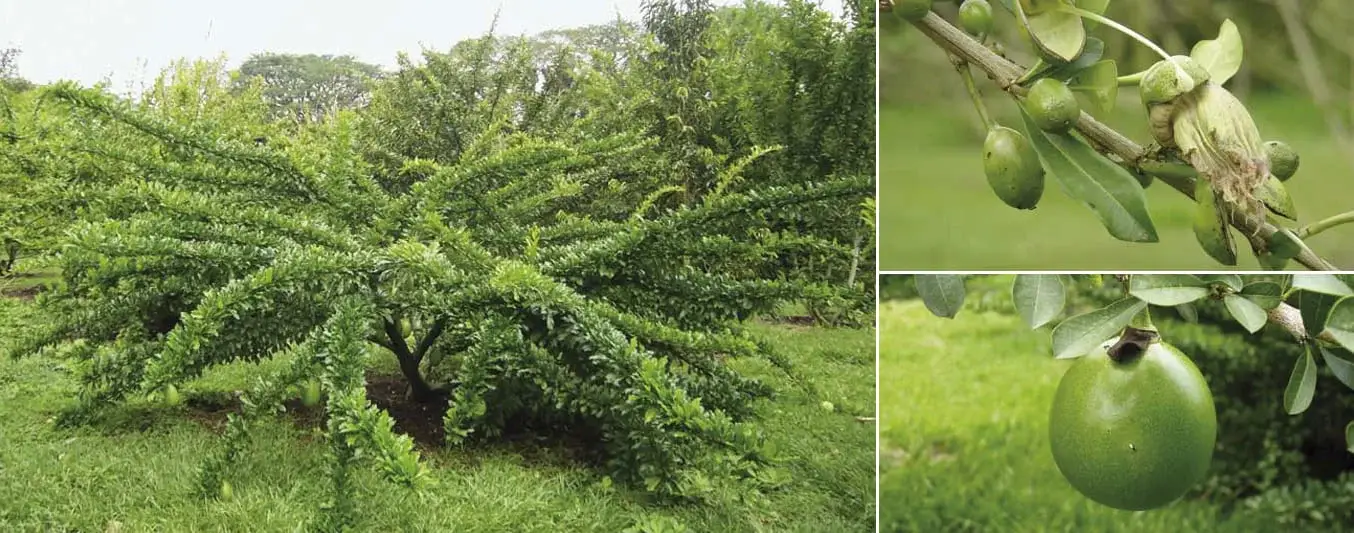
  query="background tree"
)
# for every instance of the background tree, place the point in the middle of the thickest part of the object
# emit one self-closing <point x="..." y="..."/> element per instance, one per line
<point x="306" y="87"/>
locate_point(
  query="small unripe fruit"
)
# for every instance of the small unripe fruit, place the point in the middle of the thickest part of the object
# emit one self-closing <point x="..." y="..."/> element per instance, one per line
<point x="1012" y="168"/>
<point x="1283" y="160"/>
<point x="172" y="396"/>
<point x="1162" y="82"/>
<point x="1052" y="105"/>
<point x="976" y="17"/>
<point x="912" y="10"/>
<point x="827" y="406"/>
<point x="227" y="492"/>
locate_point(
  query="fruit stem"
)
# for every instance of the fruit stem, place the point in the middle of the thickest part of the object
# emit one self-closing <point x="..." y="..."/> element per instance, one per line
<point x="1325" y="224"/>
<point x="1131" y="79"/>
<point x="1180" y="71"/>
<point x="1143" y="321"/>
<point x="1132" y="343"/>
<point x="973" y="94"/>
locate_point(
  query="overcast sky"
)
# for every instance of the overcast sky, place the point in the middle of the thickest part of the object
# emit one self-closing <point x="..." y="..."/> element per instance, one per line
<point x="129" y="41"/>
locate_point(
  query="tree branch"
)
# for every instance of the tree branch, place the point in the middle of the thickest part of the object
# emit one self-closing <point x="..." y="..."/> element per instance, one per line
<point x="1290" y="319"/>
<point x="427" y="341"/>
<point x="1004" y="73"/>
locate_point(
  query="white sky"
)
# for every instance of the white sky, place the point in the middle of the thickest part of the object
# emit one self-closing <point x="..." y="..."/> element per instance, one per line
<point x="129" y="41"/>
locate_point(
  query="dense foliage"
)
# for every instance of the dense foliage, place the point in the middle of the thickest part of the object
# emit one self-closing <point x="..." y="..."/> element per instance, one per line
<point x="527" y="234"/>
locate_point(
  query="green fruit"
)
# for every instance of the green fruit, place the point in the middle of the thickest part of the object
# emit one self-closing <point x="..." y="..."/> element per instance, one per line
<point x="172" y="395"/>
<point x="976" y="17"/>
<point x="227" y="493"/>
<point x="1052" y="105"/>
<point x="827" y="406"/>
<point x="310" y="397"/>
<point x="1283" y="160"/>
<point x="1012" y="168"/>
<point x="912" y="10"/>
<point x="1135" y="434"/>
<point x="1162" y="83"/>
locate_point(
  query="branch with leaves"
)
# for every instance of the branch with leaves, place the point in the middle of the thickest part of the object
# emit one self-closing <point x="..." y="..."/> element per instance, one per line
<point x="1205" y="144"/>
<point x="1316" y="309"/>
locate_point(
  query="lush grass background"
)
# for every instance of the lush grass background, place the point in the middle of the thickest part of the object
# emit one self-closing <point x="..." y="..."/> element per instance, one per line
<point x="134" y="471"/>
<point x="937" y="212"/>
<point x="963" y="434"/>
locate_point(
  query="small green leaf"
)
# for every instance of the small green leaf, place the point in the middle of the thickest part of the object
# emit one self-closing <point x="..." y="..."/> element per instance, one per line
<point x="1341" y="366"/>
<point x="1188" y="313"/>
<point x="1080" y="334"/>
<point x="1038" y="297"/>
<point x="1285" y="245"/>
<point x="1322" y="283"/>
<point x="1100" y="82"/>
<point x="1265" y="294"/>
<point x="1275" y="196"/>
<point x="1167" y="289"/>
<point x="1115" y="195"/>
<point x="1349" y="437"/>
<point x="1251" y="316"/>
<point x="1315" y="308"/>
<point x="1221" y="57"/>
<point x="1056" y="34"/>
<point x="943" y="294"/>
<point x="1340" y="322"/>
<point x="1232" y="281"/>
<point x="1297" y="397"/>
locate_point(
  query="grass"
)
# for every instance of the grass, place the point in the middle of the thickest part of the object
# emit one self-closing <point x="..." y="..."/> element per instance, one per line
<point x="938" y="213"/>
<point x="963" y="433"/>
<point x="135" y="470"/>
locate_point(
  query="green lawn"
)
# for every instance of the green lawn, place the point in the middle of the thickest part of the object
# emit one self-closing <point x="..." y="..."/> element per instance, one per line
<point x="963" y="433"/>
<point x="135" y="470"/>
<point x="937" y="212"/>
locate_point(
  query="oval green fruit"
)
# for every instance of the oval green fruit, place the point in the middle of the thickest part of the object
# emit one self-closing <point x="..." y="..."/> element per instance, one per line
<point x="1163" y="83"/>
<point x="172" y="396"/>
<point x="1052" y="105"/>
<point x="227" y="492"/>
<point x="1012" y="168"/>
<point x="976" y="17"/>
<point x="1283" y="160"/>
<point x="310" y="397"/>
<point x="1135" y="434"/>
<point x="912" y="10"/>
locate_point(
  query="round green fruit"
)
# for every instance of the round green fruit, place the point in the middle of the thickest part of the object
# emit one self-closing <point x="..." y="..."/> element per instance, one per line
<point x="310" y="397"/>
<point x="912" y="10"/>
<point x="172" y="396"/>
<point x="976" y="17"/>
<point x="1052" y="105"/>
<point x="1163" y="83"/>
<point x="1136" y="433"/>
<point x="1012" y="168"/>
<point x="227" y="493"/>
<point x="1283" y="160"/>
<point x="827" y="406"/>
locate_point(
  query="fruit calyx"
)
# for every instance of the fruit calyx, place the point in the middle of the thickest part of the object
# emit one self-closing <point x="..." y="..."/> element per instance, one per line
<point x="1132" y="343"/>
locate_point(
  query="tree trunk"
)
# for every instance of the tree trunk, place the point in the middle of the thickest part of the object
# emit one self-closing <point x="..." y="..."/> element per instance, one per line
<point x="419" y="390"/>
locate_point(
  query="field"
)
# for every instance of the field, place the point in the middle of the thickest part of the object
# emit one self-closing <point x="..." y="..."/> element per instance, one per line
<point x="938" y="213"/>
<point x="963" y="433"/>
<point x="134" y="469"/>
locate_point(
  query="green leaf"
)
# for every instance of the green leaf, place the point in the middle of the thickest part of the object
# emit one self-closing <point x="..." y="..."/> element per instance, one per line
<point x="1340" y="322"/>
<point x="1275" y="196"/>
<point x="1038" y="297"/>
<point x="1265" y="294"/>
<point x="1349" y="437"/>
<point x="1221" y="57"/>
<point x="1100" y="82"/>
<point x="1322" y="283"/>
<point x="1342" y="367"/>
<point x="1167" y="289"/>
<point x="1315" y="308"/>
<point x="943" y="294"/>
<point x="1251" y="316"/>
<point x="1232" y="281"/>
<point x="1056" y="34"/>
<point x="1115" y="195"/>
<point x="1285" y="245"/>
<point x="1080" y="334"/>
<point x="1297" y="397"/>
<point x="1188" y="313"/>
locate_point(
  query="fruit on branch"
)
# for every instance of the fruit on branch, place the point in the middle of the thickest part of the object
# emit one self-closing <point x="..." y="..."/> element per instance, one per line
<point x="1012" y="168"/>
<point x="1212" y="129"/>
<point x="1052" y="105"/>
<point x="1133" y="425"/>
<point x="912" y="10"/>
<point x="1210" y="225"/>
<point x="976" y="17"/>
<point x="310" y="397"/>
<point x="1283" y="159"/>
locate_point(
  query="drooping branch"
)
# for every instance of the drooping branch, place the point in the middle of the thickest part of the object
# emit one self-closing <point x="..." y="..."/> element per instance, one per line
<point x="1004" y="73"/>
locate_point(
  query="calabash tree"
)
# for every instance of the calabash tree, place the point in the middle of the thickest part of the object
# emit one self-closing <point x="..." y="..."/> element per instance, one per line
<point x="1203" y="142"/>
<point x="508" y="282"/>
<point x="1133" y="424"/>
